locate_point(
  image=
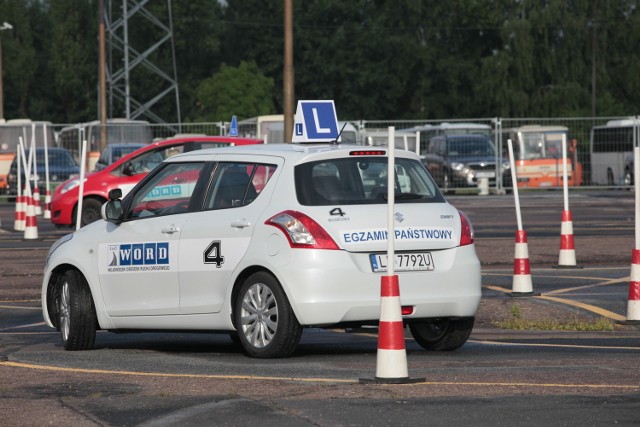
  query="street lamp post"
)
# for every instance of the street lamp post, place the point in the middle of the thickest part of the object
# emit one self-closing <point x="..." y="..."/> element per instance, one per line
<point x="5" y="26"/>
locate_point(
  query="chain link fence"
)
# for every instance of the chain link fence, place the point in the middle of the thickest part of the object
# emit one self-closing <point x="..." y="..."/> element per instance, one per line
<point x="463" y="155"/>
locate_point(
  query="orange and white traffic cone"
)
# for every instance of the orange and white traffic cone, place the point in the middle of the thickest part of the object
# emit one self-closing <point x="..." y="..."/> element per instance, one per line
<point x="633" y="304"/>
<point x="31" y="225"/>
<point x="391" y="362"/>
<point x="567" y="256"/>
<point x="47" y="205"/>
<point x="21" y="213"/>
<point x="522" y="284"/>
<point x="36" y="200"/>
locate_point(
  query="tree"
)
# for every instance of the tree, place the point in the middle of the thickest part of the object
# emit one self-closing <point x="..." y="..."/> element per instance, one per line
<point x="242" y="91"/>
<point x="74" y="58"/>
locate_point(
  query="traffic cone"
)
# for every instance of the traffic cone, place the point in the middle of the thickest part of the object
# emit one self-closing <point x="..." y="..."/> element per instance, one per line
<point x="633" y="305"/>
<point x="47" y="205"/>
<point x="567" y="256"/>
<point x="522" y="285"/>
<point x="31" y="225"/>
<point x="391" y="362"/>
<point x="36" y="200"/>
<point x="21" y="214"/>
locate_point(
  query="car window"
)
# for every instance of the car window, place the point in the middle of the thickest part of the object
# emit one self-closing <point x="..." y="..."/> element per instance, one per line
<point x="237" y="184"/>
<point x="359" y="180"/>
<point x="168" y="192"/>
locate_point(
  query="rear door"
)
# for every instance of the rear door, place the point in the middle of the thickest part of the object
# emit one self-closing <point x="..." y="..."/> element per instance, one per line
<point x="214" y="241"/>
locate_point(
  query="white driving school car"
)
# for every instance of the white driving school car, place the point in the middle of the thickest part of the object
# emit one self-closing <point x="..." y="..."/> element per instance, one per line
<point x="262" y="241"/>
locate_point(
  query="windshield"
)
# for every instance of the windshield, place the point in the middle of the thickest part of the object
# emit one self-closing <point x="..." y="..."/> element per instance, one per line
<point x="471" y="148"/>
<point x="540" y="145"/>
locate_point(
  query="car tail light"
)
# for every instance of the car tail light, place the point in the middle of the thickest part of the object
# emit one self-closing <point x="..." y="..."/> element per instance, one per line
<point x="301" y="231"/>
<point x="466" y="230"/>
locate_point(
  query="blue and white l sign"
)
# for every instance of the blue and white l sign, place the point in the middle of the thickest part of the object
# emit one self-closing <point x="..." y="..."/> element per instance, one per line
<point x="315" y="121"/>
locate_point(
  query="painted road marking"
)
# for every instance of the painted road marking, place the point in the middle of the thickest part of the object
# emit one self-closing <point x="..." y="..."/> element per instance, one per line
<point x="588" y="307"/>
<point x="319" y="380"/>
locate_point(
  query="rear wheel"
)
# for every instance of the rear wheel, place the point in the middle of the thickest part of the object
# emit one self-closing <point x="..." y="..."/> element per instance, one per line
<point x="442" y="334"/>
<point x="264" y="320"/>
<point x="77" y="316"/>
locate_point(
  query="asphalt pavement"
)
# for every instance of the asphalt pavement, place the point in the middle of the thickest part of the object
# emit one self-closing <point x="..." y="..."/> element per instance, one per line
<point x="499" y="377"/>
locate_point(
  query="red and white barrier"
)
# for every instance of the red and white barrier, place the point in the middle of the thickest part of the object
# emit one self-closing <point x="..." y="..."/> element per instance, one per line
<point x="567" y="257"/>
<point x="31" y="224"/>
<point x="392" y="356"/>
<point x="46" y="214"/>
<point x="633" y="304"/>
<point x="36" y="200"/>
<point x="21" y="213"/>
<point x="522" y="283"/>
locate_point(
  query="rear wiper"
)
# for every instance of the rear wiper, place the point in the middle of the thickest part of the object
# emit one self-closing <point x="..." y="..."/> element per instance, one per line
<point x="406" y="196"/>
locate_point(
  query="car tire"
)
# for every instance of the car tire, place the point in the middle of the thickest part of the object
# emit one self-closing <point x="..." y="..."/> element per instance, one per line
<point x="264" y="319"/>
<point x="77" y="315"/>
<point x="91" y="211"/>
<point x="442" y="334"/>
<point x="628" y="177"/>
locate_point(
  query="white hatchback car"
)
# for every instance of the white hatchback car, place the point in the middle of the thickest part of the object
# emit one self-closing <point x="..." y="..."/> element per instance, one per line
<point x="262" y="241"/>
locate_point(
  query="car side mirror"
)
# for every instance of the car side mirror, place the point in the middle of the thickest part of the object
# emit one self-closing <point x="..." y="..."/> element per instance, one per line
<point x="127" y="169"/>
<point x="112" y="211"/>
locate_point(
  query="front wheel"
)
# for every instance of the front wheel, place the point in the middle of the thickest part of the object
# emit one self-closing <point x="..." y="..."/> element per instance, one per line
<point x="77" y="316"/>
<point x="442" y="334"/>
<point x="91" y="211"/>
<point x="264" y="320"/>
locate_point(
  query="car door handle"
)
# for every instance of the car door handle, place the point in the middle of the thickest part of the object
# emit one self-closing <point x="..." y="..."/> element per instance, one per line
<point x="170" y="229"/>
<point x="240" y="223"/>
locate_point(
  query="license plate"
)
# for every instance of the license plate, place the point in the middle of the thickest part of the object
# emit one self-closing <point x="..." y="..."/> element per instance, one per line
<point x="483" y="174"/>
<point x="413" y="261"/>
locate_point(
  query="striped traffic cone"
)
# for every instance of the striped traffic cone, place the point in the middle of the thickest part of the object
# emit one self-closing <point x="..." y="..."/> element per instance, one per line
<point x="522" y="284"/>
<point x="567" y="256"/>
<point x="31" y="225"/>
<point x="391" y="362"/>
<point x="21" y="214"/>
<point x="633" y="305"/>
<point x="36" y="200"/>
<point x="47" y="205"/>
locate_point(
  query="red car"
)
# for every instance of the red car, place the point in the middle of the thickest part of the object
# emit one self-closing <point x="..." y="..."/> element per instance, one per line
<point x="125" y="174"/>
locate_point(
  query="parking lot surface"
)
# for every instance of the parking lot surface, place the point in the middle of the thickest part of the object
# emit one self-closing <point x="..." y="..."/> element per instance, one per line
<point x="500" y="376"/>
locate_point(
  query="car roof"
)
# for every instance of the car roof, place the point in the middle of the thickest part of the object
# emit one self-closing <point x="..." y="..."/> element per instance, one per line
<point x="177" y="140"/>
<point x="286" y="150"/>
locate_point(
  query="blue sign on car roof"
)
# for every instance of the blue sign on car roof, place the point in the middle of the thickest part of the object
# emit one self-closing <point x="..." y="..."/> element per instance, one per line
<point x="315" y="121"/>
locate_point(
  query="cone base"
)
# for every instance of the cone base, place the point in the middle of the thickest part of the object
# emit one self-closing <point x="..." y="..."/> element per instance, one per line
<point x="524" y="294"/>
<point x="567" y="266"/>
<point x="402" y="380"/>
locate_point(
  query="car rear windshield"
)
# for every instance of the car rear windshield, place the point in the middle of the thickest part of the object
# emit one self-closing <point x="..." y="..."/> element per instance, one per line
<point x="363" y="180"/>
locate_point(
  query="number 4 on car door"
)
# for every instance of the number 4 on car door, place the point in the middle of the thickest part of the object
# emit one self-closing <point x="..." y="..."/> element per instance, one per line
<point x="213" y="254"/>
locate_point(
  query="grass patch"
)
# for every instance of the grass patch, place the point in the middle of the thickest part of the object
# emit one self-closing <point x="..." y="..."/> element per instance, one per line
<point x="574" y="323"/>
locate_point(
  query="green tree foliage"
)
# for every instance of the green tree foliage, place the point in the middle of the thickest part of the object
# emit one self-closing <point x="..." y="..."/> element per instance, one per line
<point x="242" y="90"/>
<point x="378" y="59"/>
<point x="74" y="58"/>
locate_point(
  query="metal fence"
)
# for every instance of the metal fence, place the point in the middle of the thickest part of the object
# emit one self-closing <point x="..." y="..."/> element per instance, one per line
<point x="461" y="154"/>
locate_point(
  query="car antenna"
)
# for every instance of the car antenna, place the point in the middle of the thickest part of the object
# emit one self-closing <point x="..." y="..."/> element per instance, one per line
<point x="335" y="141"/>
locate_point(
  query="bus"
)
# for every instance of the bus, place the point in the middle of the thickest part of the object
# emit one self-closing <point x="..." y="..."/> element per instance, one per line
<point x="10" y="132"/>
<point x="538" y="155"/>
<point x="117" y="131"/>
<point x="612" y="151"/>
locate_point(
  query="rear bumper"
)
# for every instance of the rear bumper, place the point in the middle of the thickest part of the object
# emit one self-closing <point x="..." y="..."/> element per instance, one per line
<point x="331" y="291"/>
